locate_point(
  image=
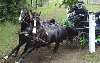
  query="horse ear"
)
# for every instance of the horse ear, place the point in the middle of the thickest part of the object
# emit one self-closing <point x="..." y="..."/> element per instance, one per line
<point x="39" y="13"/>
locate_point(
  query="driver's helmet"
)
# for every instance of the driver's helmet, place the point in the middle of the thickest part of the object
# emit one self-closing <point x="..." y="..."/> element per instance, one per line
<point x="80" y="2"/>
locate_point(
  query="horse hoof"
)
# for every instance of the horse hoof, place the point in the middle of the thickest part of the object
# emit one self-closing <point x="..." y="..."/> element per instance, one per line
<point x="5" y="58"/>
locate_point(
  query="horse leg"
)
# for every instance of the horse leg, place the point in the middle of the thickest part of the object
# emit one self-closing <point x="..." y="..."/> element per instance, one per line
<point x="25" y="54"/>
<point x="71" y="40"/>
<point x="21" y="38"/>
<point x="16" y="52"/>
<point x="55" y="48"/>
<point x="25" y="49"/>
<point x="18" y="46"/>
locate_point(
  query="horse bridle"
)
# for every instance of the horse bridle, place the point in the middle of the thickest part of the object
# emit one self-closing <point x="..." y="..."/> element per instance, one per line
<point x="23" y="20"/>
<point x="38" y="39"/>
<point x="34" y="37"/>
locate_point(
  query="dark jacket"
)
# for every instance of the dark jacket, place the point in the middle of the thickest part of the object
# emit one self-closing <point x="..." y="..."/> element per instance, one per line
<point x="97" y="14"/>
<point x="82" y="11"/>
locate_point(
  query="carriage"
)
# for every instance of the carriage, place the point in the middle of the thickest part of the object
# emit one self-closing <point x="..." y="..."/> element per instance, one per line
<point x="82" y="28"/>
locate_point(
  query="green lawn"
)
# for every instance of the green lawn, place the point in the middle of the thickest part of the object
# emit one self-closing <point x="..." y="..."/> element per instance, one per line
<point x="93" y="7"/>
<point x="7" y="36"/>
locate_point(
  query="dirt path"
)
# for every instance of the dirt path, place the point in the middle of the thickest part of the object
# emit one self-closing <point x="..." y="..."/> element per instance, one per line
<point x="65" y="54"/>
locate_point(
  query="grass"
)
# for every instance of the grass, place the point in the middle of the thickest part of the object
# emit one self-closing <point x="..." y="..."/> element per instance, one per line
<point x="93" y="7"/>
<point x="88" y="57"/>
<point x="8" y="38"/>
<point x="52" y="10"/>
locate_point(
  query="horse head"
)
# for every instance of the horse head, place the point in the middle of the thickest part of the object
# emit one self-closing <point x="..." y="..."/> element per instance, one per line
<point x="35" y="21"/>
<point x="35" y="14"/>
<point x="23" y="15"/>
<point x="38" y="31"/>
<point x="36" y="24"/>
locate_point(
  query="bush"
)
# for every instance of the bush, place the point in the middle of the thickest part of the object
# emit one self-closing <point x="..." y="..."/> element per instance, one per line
<point x="12" y="8"/>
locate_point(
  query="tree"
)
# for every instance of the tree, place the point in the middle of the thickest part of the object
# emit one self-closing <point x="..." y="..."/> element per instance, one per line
<point x="36" y="4"/>
<point x="12" y="8"/>
<point x="68" y="3"/>
<point x="41" y="3"/>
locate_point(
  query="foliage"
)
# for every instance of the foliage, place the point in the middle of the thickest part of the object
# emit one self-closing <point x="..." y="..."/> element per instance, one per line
<point x="98" y="37"/>
<point x="82" y="41"/>
<point x="12" y="8"/>
<point x="68" y="3"/>
<point x="65" y="22"/>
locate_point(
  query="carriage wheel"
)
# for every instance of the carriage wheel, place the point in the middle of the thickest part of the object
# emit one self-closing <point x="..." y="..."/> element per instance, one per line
<point x="82" y="40"/>
<point x="98" y="38"/>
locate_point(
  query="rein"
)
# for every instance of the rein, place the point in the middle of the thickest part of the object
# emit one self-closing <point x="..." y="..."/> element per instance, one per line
<point x="38" y="39"/>
<point x="25" y="21"/>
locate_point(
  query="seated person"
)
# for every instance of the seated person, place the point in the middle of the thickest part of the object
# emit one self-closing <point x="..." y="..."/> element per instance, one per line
<point x="97" y="14"/>
<point x="81" y="13"/>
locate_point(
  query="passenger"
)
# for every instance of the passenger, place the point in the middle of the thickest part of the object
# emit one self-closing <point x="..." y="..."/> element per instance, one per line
<point x="81" y="13"/>
<point x="97" y="14"/>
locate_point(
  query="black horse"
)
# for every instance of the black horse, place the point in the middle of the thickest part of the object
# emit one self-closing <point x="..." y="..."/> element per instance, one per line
<point x="24" y="19"/>
<point x="35" y="39"/>
<point x="42" y="36"/>
<point x="58" y="34"/>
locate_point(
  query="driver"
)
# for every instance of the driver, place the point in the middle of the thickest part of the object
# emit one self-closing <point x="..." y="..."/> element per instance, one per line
<point x="81" y="12"/>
